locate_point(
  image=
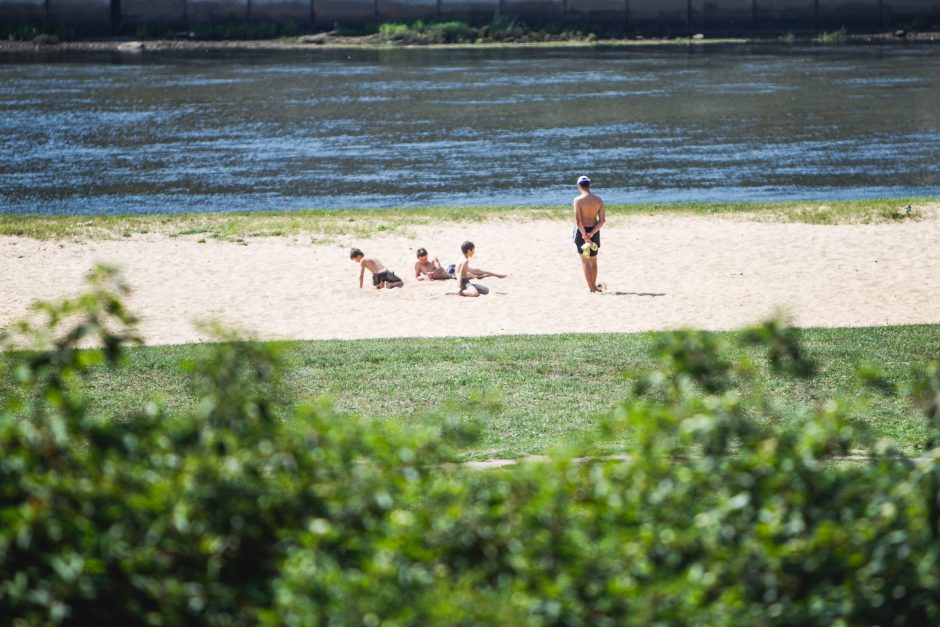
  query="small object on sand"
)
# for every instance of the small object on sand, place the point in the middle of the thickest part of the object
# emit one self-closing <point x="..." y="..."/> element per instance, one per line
<point x="907" y="210"/>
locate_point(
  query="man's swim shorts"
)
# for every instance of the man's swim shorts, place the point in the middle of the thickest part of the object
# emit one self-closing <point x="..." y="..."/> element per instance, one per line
<point x="579" y="241"/>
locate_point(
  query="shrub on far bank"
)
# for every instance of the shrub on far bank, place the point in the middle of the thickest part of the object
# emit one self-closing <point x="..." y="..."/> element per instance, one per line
<point x="229" y="515"/>
<point x="500" y="30"/>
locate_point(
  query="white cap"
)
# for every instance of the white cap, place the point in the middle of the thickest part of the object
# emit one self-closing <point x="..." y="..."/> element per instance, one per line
<point x="583" y="180"/>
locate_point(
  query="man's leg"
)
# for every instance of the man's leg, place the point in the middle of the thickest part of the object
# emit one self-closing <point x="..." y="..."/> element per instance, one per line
<point x="594" y="271"/>
<point x="588" y="273"/>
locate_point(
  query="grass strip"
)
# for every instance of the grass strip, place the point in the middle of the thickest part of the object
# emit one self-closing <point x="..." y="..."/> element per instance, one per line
<point x="542" y="391"/>
<point x="366" y="222"/>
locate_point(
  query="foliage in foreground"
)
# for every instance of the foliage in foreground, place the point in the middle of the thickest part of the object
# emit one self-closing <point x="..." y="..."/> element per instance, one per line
<point x="229" y="516"/>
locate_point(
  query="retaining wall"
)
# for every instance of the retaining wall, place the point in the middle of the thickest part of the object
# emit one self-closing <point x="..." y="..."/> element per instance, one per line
<point x="481" y="10"/>
<point x="408" y="9"/>
<point x="602" y="11"/>
<point x="298" y="11"/>
<point x="203" y="11"/>
<point x="82" y="14"/>
<point x="784" y="15"/>
<point x="636" y="16"/>
<point x="162" y="12"/>
<point x="328" y="12"/>
<point x="23" y="10"/>
<point x="535" y="10"/>
<point x="911" y="11"/>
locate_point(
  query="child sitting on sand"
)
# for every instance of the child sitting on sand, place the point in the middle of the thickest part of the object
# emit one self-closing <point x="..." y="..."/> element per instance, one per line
<point x="465" y="273"/>
<point x="381" y="276"/>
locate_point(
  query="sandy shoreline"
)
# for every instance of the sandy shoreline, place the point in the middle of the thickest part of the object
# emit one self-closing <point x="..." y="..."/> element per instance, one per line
<point x="661" y="273"/>
<point x="329" y="40"/>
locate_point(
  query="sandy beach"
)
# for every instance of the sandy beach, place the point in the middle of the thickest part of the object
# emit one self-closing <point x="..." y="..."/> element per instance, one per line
<point x="660" y="273"/>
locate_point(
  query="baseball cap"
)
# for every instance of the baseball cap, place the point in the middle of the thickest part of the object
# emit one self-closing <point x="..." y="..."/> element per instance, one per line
<point x="582" y="180"/>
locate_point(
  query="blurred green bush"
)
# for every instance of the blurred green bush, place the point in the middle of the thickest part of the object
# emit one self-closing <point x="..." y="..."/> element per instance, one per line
<point x="229" y="516"/>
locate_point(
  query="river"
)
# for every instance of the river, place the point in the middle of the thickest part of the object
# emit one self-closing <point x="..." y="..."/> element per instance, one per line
<point x="106" y="133"/>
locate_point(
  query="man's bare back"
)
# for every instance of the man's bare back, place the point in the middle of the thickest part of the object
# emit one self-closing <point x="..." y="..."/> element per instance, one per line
<point x="589" y="206"/>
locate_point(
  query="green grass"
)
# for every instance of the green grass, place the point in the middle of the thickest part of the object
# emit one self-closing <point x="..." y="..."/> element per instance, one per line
<point x="365" y="222"/>
<point x="549" y="390"/>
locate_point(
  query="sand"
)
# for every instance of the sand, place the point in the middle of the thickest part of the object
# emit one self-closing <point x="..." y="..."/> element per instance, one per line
<point x="660" y="272"/>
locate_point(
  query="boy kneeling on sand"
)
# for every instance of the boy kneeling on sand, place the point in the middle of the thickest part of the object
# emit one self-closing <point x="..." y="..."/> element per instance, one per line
<point x="381" y="276"/>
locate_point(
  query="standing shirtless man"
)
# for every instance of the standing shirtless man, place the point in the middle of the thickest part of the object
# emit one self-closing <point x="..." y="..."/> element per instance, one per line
<point x="589" y="218"/>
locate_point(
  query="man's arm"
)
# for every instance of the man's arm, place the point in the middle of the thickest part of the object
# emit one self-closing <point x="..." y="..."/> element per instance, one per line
<point x="418" y="274"/>
<point x="362" y="270"/>
<point x="601" y="219"/>
<point x="578" y="220"/>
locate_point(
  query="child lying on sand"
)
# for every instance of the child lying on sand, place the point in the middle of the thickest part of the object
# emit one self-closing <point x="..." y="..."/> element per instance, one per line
<point x="431" y="269"/>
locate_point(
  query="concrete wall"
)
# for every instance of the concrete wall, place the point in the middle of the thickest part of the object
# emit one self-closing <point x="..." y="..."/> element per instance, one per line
<point x="83" y="14"/>
<point x="905" y="12"/>
<point x="711" y="17"/>
<point x="201" y="11"/>
<point x="535" y="10"/>
<point x="717" y="16"/>
<point x="280" y="10"/>
<point x="784" y="15"/>
<point x="483" y="10"/>
<point x="407" y="9"/>
<point x="134" y="12"/>
<point x="658" y="15"/>
<point x="600" y="10"/>
<point x="13" y="11"/>
<point x="837" y="13"/>
<point x="327" y="12"/>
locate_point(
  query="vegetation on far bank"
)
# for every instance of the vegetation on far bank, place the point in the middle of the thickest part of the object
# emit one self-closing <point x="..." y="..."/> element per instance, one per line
<point x="246" y="508"/>
<point x="365" y="222"/>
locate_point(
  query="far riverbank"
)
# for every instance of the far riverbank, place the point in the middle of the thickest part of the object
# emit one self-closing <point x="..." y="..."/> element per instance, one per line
<point x="377" y="41"/>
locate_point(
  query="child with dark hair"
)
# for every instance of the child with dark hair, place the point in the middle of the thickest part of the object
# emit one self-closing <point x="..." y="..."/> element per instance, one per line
<point x="467" y="288"/>
<point x="381" y="276"/>
<point x="465" y="273"/>
<point x="431" y="269"/>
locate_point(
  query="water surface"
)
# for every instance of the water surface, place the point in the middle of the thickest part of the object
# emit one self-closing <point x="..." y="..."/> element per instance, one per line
<point x="166" y="133"/>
